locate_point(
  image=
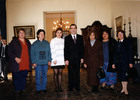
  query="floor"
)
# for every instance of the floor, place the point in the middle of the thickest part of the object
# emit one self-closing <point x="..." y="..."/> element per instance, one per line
<point x="7" y="90"/>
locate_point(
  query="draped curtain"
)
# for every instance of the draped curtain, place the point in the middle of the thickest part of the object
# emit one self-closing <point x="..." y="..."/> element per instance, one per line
<point x="3" y="18"/>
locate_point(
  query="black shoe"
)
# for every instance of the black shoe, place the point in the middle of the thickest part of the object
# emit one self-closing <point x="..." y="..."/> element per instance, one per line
<point x="17" y="94"/>
<point x="56" y="89"/>
<point x="94" y="89"/>
<point x="78" y="90"/>
<point x="112" y="89"/>
<point x="60" y="89"/>
<point x="121" y="93"/>
<point x="70" y="90"/>
<point x="103" y="88"/>
<point x="127" y="94"/>
<point x="23" y="92"/>
<point x="44" y="91"/>
<point x="1" y="79"/>
<point x="6" y="80"/>
<point x="38" y="92"/>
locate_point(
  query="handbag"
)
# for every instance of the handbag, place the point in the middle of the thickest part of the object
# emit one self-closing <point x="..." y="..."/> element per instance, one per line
<point x="100" y="73"/>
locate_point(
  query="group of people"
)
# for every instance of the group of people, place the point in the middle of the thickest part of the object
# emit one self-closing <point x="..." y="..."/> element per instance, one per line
<point x="114" y="57"/>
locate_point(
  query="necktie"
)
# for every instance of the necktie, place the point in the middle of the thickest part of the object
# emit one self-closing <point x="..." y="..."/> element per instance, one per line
<point x="74" y="39"/>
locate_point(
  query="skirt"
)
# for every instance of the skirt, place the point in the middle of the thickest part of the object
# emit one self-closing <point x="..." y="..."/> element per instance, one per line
<point x="111" y="78"/>
<point x="58" y="67"/>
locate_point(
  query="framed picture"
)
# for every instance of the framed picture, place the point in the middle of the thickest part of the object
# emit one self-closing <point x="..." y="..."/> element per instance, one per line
<point x="119" y="23"/>
<point x="29" y="31"/>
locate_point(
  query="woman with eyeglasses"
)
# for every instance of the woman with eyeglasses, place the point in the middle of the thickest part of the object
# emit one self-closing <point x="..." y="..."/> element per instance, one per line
<point x="124" y="60"/>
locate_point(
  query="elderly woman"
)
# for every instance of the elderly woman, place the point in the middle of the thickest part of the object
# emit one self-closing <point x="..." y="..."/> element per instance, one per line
<point x="19" y="60"/>
<point x="58" y="63"/>
<point x="93" y="59"/>
<point x="124" y="60"/>
<point x="41" y="58"/>
<point x="109" y="54"/>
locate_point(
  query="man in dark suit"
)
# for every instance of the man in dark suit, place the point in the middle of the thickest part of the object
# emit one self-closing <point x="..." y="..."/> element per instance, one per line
<point x="1" y="78"/>
<point x="73" y="53"/>
<point x="4" y="58"/>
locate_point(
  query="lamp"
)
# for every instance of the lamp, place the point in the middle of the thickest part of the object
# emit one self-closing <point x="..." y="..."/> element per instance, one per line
<point x="61" y="24"/>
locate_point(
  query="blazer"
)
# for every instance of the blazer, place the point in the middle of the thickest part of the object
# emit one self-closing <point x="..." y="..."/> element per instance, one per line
<point x="125" y="55"/>
<point x="73" y="51"/>
<point x="14" y="51"/>
<point x="6" y="51"/>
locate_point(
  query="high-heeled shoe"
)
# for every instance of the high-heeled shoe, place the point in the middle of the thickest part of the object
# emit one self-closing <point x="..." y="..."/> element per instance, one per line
<point x="121" y="93"/>
<point x="94" y="89"/>
<point x="60" y="89"/>
<point x="102" y="88"/>
<point x="126" y="94"/>
<point x="56" y="89"/>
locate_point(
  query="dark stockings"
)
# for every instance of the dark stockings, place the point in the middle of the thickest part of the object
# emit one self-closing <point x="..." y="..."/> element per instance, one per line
<point x="58" y="79"/>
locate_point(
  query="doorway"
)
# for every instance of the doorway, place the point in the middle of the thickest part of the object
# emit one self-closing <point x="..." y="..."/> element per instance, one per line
<point x="53" y="18"/>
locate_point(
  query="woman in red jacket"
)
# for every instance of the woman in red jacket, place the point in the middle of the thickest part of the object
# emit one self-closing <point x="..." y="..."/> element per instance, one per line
<point x="19" y="60"/>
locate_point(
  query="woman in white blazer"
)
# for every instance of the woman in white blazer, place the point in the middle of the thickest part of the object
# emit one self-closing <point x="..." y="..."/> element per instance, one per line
<point x="57" y="55"/>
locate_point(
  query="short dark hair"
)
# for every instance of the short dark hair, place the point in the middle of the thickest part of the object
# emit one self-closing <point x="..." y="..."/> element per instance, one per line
<point x="108" y="32"/>
<point x="122" y="31"/>
<point x="38" y="32"/>
<point x="4" y="39"/>
<point x="21" y="29"/>
<point x="93" y="31"/>
<point x="73" y="25"/>
<point x="58" y="29"/>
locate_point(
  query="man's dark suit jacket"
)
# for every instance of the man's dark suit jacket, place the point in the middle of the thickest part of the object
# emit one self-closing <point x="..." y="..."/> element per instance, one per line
<point x="73" y="51"/>
<point x="6" y="51"/>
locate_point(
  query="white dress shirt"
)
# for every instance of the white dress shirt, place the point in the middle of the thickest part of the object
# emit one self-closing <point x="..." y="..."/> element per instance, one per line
<point x="3" y="46"/>
<point x="74" y="35"/>
<point x="121" y="40"/>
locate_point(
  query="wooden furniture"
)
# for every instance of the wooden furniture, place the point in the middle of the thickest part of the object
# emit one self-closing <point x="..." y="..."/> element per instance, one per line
<point x="133" y="41"/>
<point x="97" y="27"/>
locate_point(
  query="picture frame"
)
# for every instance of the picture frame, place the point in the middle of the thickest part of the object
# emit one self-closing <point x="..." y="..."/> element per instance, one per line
<point x="29" y="31"/>
<point x="119" y="23"/>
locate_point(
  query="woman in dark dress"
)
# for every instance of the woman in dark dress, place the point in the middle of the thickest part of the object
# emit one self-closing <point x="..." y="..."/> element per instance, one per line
<point x="19" y="60"/>
<point x="92" y="60"/>
<point x="109" y="60"/>
<point x="124" y="60"/>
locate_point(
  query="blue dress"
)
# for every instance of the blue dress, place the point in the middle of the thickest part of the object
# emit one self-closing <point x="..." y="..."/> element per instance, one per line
<point x="111" y="78"/>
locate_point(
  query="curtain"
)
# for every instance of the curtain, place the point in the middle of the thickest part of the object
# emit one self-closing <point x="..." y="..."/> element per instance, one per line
<point x="3" y="18"/>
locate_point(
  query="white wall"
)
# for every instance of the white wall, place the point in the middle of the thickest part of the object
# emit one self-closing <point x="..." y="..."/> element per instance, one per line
<point x="128" y="9"/>
<point x="30" y="12"/>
